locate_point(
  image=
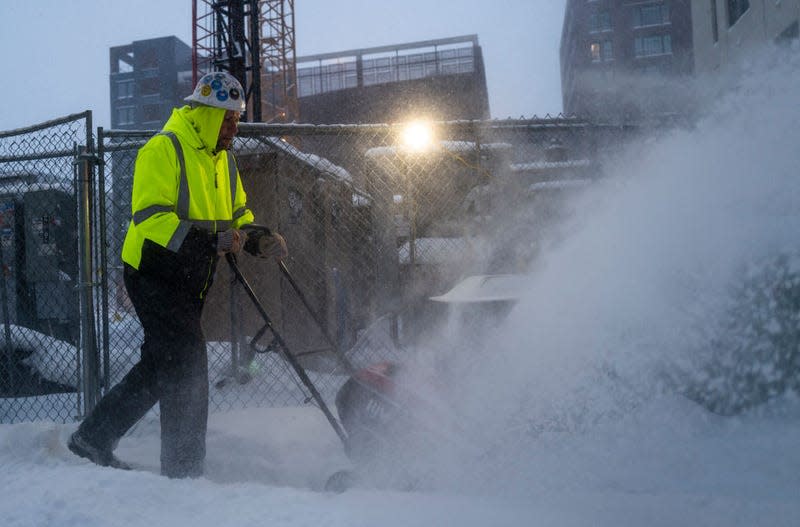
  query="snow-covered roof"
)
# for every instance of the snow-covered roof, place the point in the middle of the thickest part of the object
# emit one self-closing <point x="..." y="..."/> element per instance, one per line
<point x="20" y="182"/>
<point x="317" y="163"/>
<point x="484" y="288"/>
<point x="20" y="187"/>
<point x="450" y="146"/>
<point x="314" y="161"/>
<point x="469" y="146"/>
<point x="549" y="165"/>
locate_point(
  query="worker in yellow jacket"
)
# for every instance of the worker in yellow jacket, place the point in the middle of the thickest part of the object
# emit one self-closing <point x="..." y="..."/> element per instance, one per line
<point x="189" y="208"/>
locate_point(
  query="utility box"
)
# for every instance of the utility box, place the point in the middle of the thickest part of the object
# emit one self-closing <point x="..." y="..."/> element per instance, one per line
<point x="11" y="258"/>
<point x="51" y="263"/>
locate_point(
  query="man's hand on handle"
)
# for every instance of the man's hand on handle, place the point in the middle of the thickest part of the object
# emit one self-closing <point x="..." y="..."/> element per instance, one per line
<point x="231" y="241"/>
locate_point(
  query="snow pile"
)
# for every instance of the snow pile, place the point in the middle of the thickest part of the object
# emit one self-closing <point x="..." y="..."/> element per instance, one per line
<point x="755" y="351"/>
<point x="53" y="359"/>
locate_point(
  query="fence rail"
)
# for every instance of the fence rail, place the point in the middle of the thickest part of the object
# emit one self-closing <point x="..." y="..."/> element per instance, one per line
<point x="375" y="229"/>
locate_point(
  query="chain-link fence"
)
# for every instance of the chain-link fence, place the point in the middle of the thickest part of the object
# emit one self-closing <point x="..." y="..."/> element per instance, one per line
<point x="377" y="222"/>
<point x="44" y="195"/>
<point x="375" y="227"/>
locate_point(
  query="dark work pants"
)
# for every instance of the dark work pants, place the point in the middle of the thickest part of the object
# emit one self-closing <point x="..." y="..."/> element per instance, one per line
<point x="173" y="371"/>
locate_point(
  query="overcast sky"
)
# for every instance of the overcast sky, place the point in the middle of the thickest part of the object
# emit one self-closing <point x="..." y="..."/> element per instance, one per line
<point x="55" y="52"/>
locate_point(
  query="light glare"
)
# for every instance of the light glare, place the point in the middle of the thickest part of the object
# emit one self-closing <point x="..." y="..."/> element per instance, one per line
<point x="418" y="136"/>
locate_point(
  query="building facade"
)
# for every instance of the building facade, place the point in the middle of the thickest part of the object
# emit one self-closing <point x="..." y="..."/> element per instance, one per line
<point x="623" y="58"/>
<point x="148" y="78"/>
<point x="725" y="29"/>
<point x="438" y="79"/>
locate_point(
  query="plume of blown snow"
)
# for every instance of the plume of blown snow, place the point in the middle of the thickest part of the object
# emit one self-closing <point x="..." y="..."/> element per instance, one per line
<point x="641" y="284"/>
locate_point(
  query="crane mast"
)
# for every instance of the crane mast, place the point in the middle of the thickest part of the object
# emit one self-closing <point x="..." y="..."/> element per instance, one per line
<point x="254" y="41"/>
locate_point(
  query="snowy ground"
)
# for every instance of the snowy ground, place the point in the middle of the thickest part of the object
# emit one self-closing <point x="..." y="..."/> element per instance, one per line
<point x="671" y="464"/>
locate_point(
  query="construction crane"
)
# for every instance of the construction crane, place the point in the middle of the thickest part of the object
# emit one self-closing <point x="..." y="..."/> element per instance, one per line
<point x="254" y="41"/>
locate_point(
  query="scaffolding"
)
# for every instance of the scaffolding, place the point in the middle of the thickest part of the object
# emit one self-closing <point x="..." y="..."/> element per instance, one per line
<point x="279" y="76"/>
<point x="254" y="41"/>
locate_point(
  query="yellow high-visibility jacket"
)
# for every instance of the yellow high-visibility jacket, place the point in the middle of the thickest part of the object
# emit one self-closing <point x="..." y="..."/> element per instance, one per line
<point x="183" y="194"/>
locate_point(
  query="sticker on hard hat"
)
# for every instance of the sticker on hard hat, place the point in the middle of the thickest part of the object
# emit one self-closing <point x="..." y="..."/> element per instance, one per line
<point x="222" y="95"/>
<point x="234" y="93"/>
<point x="216" y="84"/>
<point x="205" y="91"/>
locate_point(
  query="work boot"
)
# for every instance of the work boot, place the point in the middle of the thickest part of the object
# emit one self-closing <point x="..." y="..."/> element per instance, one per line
<point x="105" y="458"/>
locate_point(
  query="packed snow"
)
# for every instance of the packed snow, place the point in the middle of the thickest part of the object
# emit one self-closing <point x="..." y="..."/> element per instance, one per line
<point x="570" y="411"/>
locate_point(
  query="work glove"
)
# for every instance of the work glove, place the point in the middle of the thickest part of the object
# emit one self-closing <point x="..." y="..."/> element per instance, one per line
<point x="265" y="244"/>
<point x="231" y="241"/>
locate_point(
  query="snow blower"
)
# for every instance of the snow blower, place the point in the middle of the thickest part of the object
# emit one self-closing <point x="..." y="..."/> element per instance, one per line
<point x="370" y="405"/>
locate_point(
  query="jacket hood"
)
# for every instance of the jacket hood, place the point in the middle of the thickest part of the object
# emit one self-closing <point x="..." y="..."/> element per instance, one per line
<point x="199" y="126"/>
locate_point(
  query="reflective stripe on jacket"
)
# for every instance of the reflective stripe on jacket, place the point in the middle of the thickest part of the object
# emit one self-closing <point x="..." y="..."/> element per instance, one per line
<point x="183" y="194"/>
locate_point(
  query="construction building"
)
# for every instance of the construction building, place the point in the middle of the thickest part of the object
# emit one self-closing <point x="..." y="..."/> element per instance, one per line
<point x="148" y="78"/>
<point x="724" y="30"/>
<point x="440" y="79"/>
<point x="625" y="58"/>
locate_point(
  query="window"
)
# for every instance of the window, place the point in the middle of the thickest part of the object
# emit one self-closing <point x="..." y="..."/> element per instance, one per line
<point x="125" y="115"/>
<point x="305" y="82"/>
<point x="601" y="51"/>
<point x="125" y="89"/>
<point x="327" y="77"/>
<point x="378" y="71"/>
<point x="608" y="51"/>
<point x="653" y="45"/>
<point x="650" y="15"/>
<point x="147" y="58"/>
<point x="736" y="8"/>
<point x="600" y="21"/>
<point x="151" y="112"/>
<point x="451" y="61"/>
<point x="714" y="22"/>
<point x="149" y="86"/>
<point x="594" y="51"/>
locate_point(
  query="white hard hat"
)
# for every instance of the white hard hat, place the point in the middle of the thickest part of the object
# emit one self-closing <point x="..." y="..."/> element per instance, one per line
<point x="219" y="89"/>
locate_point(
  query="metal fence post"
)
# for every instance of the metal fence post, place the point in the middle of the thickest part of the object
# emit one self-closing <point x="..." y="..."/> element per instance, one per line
<point x="8" y="346"/>
<point x="87" y="345"/>
<point x="103" y="265"/>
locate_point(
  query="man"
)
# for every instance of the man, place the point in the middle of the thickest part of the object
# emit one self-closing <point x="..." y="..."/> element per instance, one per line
<point x="189" y="208"/>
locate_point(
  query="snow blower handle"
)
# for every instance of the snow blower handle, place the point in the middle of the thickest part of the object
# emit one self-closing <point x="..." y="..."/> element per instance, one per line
<point x="287" y="354"/>
<point x="256" y="229"/>
<point x="254" y="233"/>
